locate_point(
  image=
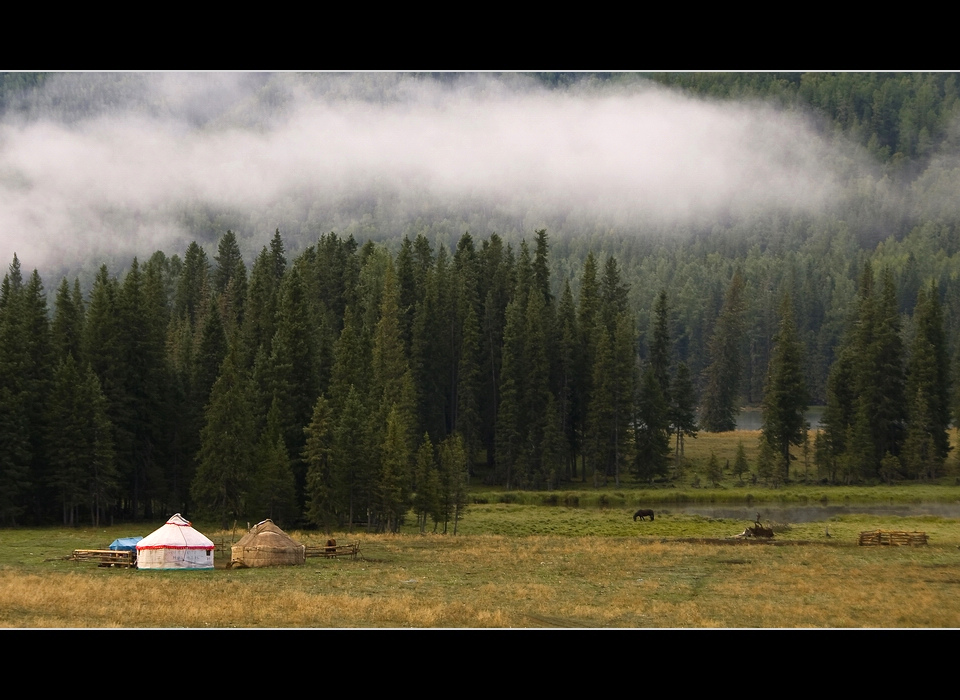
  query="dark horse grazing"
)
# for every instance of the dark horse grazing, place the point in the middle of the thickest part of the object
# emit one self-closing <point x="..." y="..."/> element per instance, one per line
<point x="642" y="513"/>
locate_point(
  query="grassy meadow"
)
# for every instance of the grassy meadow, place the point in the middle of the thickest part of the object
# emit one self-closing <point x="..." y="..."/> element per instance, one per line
<point x="568" y="559"/>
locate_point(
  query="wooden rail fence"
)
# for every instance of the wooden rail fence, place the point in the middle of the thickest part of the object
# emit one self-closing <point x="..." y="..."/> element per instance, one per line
<point x="892" y="537"/>
<point x="331" y="551"/>
<point x="106" y="557"/>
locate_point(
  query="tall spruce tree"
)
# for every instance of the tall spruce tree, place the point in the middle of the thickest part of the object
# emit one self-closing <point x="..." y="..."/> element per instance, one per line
<point x="230" y="281"/>
<point x="227" y="445"/>
<point x="928" y="375"/>
<point x="80" y="444"/>
<point x="426" y="499"/>
<point x="67" y="328"/>
<point x="569" y="355"/>
<point x="16" y="478"/>
<point x="652" y="429"/>
<point x="588" y="321"/>
<point x="785" y="397"/>
<point x="272" y="493"/>
<point x="320" y="489"/>
<point x="683" y="408"/>
<point x="660" y="350"/>
<point x="193" y="285"/>
<point x="453" y="481"/>
<point x="353" y="467"/>
<point x="142" y="384"/>
<point x="880" y="422"/>
<point x="37" y="373"/>
<point x="394" y="479"/>
<point x="721" y="395"/>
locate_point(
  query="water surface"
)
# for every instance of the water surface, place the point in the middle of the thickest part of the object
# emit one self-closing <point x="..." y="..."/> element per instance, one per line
<point x="812" y="512"/>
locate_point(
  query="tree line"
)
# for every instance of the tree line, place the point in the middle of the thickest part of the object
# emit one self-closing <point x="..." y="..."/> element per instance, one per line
<point x="355" y="385"/>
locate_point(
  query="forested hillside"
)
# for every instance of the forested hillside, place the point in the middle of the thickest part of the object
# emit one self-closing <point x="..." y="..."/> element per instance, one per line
<point x="384" y="345"/>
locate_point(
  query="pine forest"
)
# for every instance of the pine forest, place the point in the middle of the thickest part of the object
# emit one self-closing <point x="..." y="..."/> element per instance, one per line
<point x="367" y="360"/>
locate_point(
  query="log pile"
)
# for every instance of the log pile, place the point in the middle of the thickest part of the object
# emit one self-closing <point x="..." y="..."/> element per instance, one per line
<point x="892" y="538"/>
<point x="106" y="557"/>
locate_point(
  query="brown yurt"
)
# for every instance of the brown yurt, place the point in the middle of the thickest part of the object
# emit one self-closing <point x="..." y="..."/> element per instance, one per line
<point x="267" y="545"/>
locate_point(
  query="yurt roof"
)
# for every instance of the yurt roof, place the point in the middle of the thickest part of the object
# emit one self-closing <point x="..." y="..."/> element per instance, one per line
<point x="177" y="533"/>
<point x="267" y="534"/>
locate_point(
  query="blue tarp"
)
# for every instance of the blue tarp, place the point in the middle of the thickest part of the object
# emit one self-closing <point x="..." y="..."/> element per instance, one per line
<point x="125" y="544"/>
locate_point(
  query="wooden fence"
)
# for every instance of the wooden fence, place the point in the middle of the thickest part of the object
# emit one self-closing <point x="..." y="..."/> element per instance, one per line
<point x="892" y="537"/>
<point x="106" y="557"/>
<point x="332" y="551"/>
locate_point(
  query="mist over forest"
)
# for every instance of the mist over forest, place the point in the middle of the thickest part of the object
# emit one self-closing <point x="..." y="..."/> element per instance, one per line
<point x="102" y="167"/>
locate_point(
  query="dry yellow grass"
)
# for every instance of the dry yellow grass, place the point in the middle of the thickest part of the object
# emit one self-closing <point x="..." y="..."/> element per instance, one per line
<point x="495" y="581"/>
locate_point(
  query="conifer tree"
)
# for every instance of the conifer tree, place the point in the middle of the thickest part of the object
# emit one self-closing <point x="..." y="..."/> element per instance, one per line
<point x="740" y="466"/>
<point x="394" y="479"/>
<point x="351" y="361"/>
<point x="453" y="481"/>
<point x="569" y="357"/>
<point x="928" y="375"/>
<point x="495" y="291"/>
<point x="392" y="381"/>
<point x="889" y="412"/>
<point x="714" y="473"/>
<point x="409" y="292"/>
<point x="537" y="394"/>
<point x="552" y="450"/>
<point x="320" y="488"/>
<point x="652" y="431"/>
<point x="352" y="459"/>
<point x="272" y="493"/>
<point x="290" y="374"/>
<point x="426" y="499"/>
<point x="227" y="446"/>
<point x="880" y="413"/>
<point x="260" y="308"/>
<point x="80" y="443"/>
<point x="26" y="363"/>
<point x="840" y="412"/>
<point x="193" y="286"/>
<point x="230" y="280"/>
<point x="722" y="392"/>
<point x="683" y="410"/>
<point x="588" y="320"/>
<point x="511" y="426"/>
<point x="611" y="412"/>
<point x="613" y="294"/>
<point x="785" y="394"/>
<point x="16" y="478"/>
<point x="139" y="420"/>
<point x="660" y="346"/>
<point x="211" y="348"/>
<point x="67" y="328"/>
<point x="824" y="457"/>
<point x="766" y="461"/>
<point x="274" y="484"/>
<point x="468" y="419"/>
<point x="920" y="457"/>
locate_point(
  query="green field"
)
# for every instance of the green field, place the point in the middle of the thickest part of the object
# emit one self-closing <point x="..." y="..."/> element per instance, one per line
<point x="520" y="563"/>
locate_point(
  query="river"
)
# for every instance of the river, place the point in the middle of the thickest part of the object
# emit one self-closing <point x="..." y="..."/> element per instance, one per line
<point x="812" y="512"/>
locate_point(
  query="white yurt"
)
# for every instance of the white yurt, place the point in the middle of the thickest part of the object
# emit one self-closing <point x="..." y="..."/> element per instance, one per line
<point x="175" y="545"/>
